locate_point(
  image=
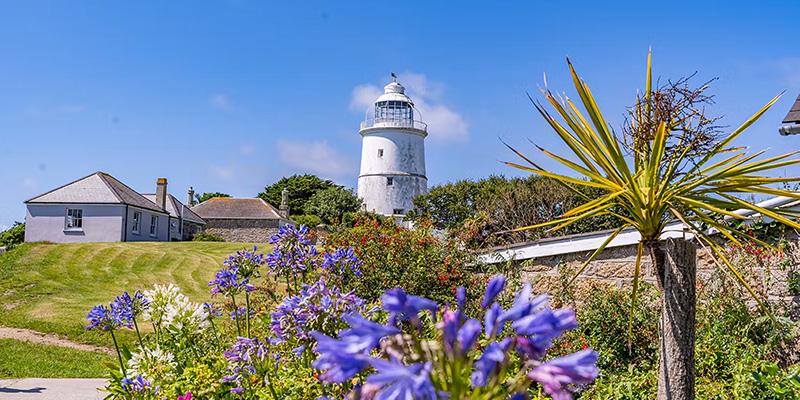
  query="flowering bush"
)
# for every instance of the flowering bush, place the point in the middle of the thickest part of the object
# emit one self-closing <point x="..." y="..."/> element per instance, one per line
<point x="416" y="261"/>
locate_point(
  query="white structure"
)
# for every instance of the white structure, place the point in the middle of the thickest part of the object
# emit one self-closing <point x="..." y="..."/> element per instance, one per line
<point x="392" y="154"/>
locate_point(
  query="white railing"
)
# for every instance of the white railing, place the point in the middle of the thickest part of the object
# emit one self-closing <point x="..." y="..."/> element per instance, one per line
<point x="394" y="123"/>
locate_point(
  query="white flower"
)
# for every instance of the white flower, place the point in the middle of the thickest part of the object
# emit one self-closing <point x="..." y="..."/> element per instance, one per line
<point x="186" y="316"/>
<point x="160" y="299"/>
<point x="153" y="364"/>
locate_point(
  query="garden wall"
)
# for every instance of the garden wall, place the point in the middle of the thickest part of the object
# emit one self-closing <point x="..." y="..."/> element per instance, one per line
<point x="243" y="230"/>
<point x="614" y="267"/>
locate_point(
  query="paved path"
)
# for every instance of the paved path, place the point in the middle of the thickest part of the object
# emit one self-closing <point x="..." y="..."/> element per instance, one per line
<point x="51" y="389"/>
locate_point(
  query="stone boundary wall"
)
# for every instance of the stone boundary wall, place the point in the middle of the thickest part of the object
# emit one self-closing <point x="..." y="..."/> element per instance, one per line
<point x="615" y="268"/>
<point x="243" y="230"/>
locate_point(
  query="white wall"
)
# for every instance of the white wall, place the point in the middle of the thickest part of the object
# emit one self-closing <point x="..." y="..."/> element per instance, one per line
<point x="144" y="230"/>
<point x="46" y="222"/>
<point x="403" y="159"/>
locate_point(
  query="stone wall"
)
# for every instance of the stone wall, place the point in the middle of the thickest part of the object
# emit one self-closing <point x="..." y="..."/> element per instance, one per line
<point x="615" y="268"/>
<point x="243" y="230"/>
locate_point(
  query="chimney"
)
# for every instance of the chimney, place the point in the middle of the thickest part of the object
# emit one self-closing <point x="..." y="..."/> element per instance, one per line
<point x="285" y="203"/>
<point x="190" y="200"/>
<point x="161" y="193"/>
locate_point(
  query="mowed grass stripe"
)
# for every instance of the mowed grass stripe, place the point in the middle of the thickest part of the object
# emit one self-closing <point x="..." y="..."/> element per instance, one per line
<point x="53" y="286"/>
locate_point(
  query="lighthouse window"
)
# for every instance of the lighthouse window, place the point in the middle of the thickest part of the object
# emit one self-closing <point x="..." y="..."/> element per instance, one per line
<point x="380" y="152"/>
<point x="389" y="181"/>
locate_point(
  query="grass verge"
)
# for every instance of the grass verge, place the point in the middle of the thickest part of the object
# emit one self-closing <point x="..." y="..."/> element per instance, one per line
<point x="19" y="359"/>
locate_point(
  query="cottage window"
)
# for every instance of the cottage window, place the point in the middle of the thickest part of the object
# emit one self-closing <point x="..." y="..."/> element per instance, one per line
<point x="74" y="218"/>
<point x="389" y="181"/>
<point x="137" y="222"/>
<point x="153" y="226"/>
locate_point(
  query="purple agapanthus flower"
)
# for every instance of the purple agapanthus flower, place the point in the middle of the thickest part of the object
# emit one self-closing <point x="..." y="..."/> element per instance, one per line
<point x="493" y="288"/>
<point x="558" y="374"/>
<point x="402" y="306"/>
<point x="315" y="307"/>
<point x="137" y="385"/>
<point x="293" y="253"/>
<point x="400" y="381"/>
<point x="489" y="361"/>
<point x="343" y="262"/>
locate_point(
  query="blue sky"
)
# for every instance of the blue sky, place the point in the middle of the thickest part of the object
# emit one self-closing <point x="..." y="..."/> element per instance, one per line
<point x="232" y="95"/>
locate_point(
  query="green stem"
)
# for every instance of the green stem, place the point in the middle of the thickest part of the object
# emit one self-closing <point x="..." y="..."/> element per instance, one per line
<point x="119" y="355"/>
<point x="141" y="345"/>
<point x="236" y="313"/>
<point x="247" y="311"/>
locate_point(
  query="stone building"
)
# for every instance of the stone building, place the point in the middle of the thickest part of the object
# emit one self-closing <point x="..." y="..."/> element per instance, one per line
<point x="249" y="220"/>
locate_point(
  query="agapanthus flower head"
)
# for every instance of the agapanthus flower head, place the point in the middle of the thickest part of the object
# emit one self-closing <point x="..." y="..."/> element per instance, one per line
<point x="293" y="253"/>
<point x="316" y="307"/>
<point x="342" y="262"/>
<point x="402" y="306"/>
<point x="245" y="263"/>
<point x="100" y="317"/>
<point x="400" y="381"/>
<point x="558" y="374"/>
<point x="137" y="385"/>
<point x="186" y="316"/>
<point x="493" y="288"/>
<point x="247" y="358"/>
<point x="153" y="364"/>
<point x="160" y="297"/>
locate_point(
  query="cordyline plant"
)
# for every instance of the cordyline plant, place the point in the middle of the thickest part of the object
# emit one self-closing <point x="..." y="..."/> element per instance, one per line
<point x="663" y="180"/>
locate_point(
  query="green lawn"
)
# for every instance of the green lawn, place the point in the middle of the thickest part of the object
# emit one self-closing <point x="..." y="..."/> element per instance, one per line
<point x="20" y="359"/>
<point x="51" y="287"/>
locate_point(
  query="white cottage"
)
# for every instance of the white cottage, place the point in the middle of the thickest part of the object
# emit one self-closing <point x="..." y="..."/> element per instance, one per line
<point x="99" y="208"/>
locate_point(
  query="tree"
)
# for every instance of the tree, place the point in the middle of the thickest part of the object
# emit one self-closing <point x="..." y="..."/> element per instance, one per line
<point x="300" y="187"/>
<point x="205" y="196"/>
<point x="502" y="204"/>
<point x="667" y="180"/>
<point x="331" y="204"/>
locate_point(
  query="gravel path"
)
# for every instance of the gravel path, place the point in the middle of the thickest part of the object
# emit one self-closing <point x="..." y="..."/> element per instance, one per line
<point x="52" y="339"/>
<point x="52" y="389"/>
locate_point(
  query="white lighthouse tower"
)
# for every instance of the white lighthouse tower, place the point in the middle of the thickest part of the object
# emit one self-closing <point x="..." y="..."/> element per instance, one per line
<point x="392" y="154"/>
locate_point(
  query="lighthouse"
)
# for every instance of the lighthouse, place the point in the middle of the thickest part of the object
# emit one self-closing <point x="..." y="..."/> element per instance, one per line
<point x="392" y="154"/>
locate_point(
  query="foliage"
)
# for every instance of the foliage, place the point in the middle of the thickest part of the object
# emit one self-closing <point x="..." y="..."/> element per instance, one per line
<point x="392" y="256"/>
<point x="307" y="220"/>
<point x="207" y="237"/>
<point x="205" y="196"/>
<point x="657" y="188"/>
<point x="300" y="187"/>
<point x="332" y="203"/>
<point x="501" y="204"/>
<point x="735" y="355"/>
<point x="13" y="236"/>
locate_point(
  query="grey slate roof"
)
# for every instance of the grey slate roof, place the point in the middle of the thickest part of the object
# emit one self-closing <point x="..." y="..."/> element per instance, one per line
<point x="97" y="188"/>
<point x="236" y="208"/>
<point x="174" y="207"/>
<point x="794" y="113"/>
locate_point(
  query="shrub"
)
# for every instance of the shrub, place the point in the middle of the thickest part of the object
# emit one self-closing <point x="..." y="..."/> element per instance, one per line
<point x="207" y="237"/>
<point x="392" y="256"/>
<point x="307" y="220"/>
<point x="13" y="236"/>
